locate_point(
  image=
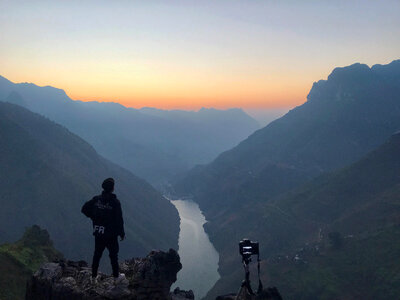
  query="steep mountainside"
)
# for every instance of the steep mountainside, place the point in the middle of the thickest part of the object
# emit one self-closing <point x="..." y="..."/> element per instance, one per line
<point x="360" y="202"/>
<point x="353" y="112"/>
<point x="153" y="144"/>
<point x="365" y="267"/>
<point x="48" y="173"/>
<point x="18" y="261"/>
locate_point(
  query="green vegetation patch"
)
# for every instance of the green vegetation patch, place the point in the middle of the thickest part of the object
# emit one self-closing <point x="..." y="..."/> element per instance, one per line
<point x="19" y="260"/>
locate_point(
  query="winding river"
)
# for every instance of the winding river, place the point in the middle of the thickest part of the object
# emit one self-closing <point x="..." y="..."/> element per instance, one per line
<point x="198" y="256"/>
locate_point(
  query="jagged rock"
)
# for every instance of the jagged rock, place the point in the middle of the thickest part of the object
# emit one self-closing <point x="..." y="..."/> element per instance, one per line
<point x="227" y="297"/>
<point x="179" y="294"/>
<point x="243" y="294"/>
<point x="148" y="278"/>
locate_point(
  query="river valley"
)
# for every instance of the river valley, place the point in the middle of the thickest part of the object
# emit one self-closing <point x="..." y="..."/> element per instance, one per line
<point x="198" y="256"/>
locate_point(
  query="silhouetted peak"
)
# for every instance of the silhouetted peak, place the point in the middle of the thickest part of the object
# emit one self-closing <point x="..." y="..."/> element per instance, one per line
<point x="390" y="72"/>
<point x="203" y="112"/>
<point x="47" y="88"/>
<point x="214" y="111"/>
<point x="236" y="110"/>
<point x="345" y="80"/>
<point x="352" y="70"/>
<point x="5" y="80"/>
<point x="393" y="64"/>
<point x="110" y="107"/>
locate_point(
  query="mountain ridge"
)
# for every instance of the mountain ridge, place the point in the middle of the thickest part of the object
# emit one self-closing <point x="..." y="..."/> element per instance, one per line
<point x="156" y="145"/>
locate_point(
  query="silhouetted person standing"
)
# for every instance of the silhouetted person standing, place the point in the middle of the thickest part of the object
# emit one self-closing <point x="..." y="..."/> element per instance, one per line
<point x="105" y="212"/>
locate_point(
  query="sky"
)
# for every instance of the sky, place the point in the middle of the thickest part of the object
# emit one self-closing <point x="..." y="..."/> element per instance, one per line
<point x="258" y="55"/>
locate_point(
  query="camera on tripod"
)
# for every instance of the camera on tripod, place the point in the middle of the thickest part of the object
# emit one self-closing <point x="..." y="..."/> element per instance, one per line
<point x="248" y="248"/>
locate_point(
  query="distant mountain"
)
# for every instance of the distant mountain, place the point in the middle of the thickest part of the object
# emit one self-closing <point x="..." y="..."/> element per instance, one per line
<point x="353" y="112"/>
<point x="19" y="260"/>
<point x="153" y="144"/>
<point x="47" y="175"/>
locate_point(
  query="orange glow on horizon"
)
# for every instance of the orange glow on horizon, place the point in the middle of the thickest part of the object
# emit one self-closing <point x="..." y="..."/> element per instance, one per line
<point x="197" y="103"/>
<point x="199" y="99"/>
<point x="187" y="56"/>
<point x="253" y="93"/>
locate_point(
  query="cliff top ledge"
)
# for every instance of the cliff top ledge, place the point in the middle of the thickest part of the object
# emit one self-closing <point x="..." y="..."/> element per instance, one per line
<point x="146" y="278"/>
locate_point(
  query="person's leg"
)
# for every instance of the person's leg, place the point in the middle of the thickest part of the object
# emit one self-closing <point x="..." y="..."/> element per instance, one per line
<point x="113" y="249"/>
<point x="99" y="246"/>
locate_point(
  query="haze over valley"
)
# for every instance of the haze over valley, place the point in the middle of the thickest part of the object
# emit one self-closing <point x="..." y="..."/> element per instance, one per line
<point x="154" y="144"/>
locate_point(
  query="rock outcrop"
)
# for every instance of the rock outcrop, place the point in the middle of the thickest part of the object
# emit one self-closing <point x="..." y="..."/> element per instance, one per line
<point x="243" y="294"/>
<point x="148" y="278"/>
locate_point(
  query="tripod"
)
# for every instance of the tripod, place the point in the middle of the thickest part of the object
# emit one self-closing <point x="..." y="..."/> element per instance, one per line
<point x="246" y="282"/>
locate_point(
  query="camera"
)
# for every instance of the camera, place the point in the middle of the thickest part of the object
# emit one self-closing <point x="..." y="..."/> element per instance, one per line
<point x="248" y="248"/>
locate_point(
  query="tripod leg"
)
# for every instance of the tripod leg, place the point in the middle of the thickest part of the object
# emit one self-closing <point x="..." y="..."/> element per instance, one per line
<point x="244" y="294"/>
<point x="246" y="283"/>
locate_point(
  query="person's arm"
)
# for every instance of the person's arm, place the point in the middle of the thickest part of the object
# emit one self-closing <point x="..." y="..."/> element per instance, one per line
<point x="87" y="208"/>
<point x="120" y="221"/>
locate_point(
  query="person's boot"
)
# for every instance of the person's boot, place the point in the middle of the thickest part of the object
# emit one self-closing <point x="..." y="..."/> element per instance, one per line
<point x="121" y="278"/>
<point x="94" y="280"/>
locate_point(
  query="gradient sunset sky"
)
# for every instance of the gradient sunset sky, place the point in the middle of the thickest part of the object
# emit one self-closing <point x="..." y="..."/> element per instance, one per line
<point x="190" y="54"/>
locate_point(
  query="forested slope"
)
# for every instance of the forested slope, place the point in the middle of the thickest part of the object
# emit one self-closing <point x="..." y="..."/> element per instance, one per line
<point x="48" y="173"/>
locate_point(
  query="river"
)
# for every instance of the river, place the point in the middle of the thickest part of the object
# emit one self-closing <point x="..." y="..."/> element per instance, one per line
<point x="198" y="256"/>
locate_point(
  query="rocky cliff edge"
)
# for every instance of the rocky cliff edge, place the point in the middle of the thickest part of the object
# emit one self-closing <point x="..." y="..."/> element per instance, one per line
<point x="148" y="278"/>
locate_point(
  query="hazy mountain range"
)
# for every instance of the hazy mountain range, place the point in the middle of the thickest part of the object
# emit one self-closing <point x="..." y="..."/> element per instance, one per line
<point x="49" y="172"/>
<point x="154" y="144"/>
<point x="351" y="113"/>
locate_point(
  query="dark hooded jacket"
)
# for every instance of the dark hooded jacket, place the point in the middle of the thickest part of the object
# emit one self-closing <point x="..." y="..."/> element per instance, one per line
<point x="105" y="212"/>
